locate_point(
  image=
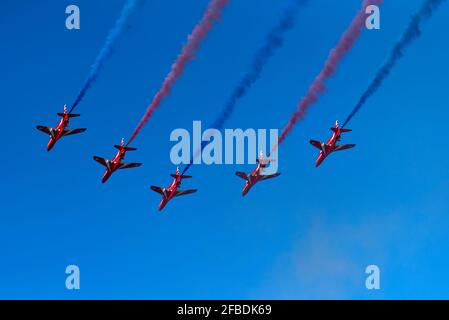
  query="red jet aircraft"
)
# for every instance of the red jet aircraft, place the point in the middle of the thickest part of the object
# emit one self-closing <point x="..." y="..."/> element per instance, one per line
<point x="61" y="129"/>
<point x="256" y="175"/>
<point x="172" y="190"/>
<point x="116" y="162"/>
<point x="331" y="144"/>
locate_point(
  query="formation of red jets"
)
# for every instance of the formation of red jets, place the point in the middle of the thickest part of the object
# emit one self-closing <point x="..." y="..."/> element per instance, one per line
<point x="256" y="175"/>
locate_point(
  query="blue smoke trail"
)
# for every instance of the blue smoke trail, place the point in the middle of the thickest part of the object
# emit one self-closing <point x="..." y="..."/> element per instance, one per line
<point x="274" y="41"/>
<point x="411" y="33"/>
<point x="106" y="51"/>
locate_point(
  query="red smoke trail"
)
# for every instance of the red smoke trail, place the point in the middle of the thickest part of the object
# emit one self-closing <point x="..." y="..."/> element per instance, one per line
<point x="318" y="86"/>
<point x="194" y="40"/>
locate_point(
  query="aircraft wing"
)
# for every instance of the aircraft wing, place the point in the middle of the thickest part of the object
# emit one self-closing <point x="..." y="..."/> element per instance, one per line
<point x="269" y="176"/>
<point x="129" y="165"/>
<point x="157" y="189"/>
<point x="44" y="129"/>
<point x="242" y="175"/>
<point x="344" y="147"/>
<point x="184" y="192"/>
<point x="72" y="131"/>
<point x="100" y="160"/>
<point x="316" y="144"/>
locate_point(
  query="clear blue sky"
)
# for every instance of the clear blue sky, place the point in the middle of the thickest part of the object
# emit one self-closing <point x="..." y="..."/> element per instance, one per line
<point x="308" y="234"/>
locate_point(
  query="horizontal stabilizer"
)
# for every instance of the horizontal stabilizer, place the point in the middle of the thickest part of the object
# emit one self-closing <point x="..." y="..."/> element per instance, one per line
<point x="124" y="147"/>
<point x="182" y="176"/>
<point x="341" y="130"/>
<point x="265" y="161"/>
<point x="71" y="115"/>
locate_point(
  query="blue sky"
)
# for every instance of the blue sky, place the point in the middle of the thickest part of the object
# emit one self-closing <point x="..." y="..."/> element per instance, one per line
<point x="308" y="234"/>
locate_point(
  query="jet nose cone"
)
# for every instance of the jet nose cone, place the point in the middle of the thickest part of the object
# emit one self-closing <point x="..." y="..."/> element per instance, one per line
<point x="50" y="145"/>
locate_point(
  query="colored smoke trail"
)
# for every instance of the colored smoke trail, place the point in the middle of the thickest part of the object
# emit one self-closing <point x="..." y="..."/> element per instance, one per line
<point x="106" y="51"/>
<point x="194" y="40"/>
<point x="336" y="55"/>
<point x="273" y="41"/>
<point x="411" y="33"/>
